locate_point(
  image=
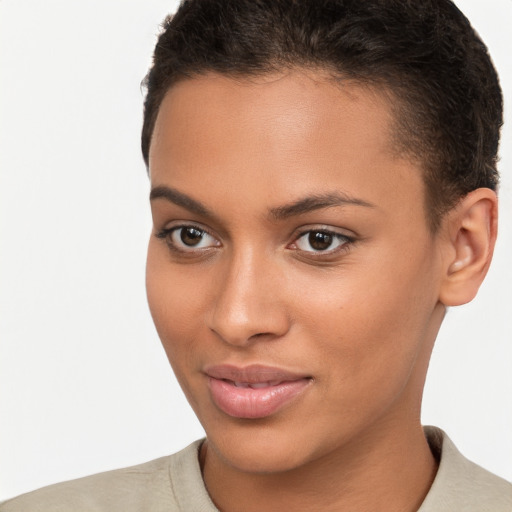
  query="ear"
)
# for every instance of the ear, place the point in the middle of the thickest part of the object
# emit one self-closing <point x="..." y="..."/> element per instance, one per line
<point x="470" y="230"/>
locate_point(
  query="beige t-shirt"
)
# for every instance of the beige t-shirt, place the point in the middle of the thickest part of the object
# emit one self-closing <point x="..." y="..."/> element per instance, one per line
<point x="174" y="483"/>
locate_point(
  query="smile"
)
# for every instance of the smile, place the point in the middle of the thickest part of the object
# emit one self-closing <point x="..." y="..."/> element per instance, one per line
<point x="255" y="391"/>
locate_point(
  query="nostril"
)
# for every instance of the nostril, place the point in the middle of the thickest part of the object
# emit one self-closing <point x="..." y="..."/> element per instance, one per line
<point x="261" y="334"/>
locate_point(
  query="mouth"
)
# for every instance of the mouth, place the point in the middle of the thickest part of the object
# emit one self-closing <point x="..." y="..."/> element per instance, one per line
<point x="254" y="391"/>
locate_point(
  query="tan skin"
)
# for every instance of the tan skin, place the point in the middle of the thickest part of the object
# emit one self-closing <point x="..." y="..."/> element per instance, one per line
<point x="358" y="314"/>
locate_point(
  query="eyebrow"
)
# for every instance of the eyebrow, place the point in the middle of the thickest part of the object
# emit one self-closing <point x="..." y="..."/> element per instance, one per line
<point x="304" y="205"/>
<point x="178" y="198"/>
<point x="316" y="202"/>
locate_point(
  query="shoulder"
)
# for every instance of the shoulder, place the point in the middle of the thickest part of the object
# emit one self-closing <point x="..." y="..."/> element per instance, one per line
<point x="154" y="486"/>
<point x="462" y="485"/>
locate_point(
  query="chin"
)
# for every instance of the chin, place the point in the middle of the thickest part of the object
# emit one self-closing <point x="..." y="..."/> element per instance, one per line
<point x="257" y="460"/>
<point x="258" y="448"/>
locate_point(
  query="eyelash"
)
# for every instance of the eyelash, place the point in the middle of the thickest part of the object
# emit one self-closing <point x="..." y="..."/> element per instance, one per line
<point x="345" y="241"/>
<point x="166" y="234"/>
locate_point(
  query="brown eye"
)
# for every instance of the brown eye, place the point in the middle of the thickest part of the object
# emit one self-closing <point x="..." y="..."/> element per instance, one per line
<point x="188" y="239"/>
<point x="320" y="240"/>
<point x="191" y="236"/>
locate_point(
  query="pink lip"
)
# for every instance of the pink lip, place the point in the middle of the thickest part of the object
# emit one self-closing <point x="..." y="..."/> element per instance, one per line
<point x="253" y="391"/>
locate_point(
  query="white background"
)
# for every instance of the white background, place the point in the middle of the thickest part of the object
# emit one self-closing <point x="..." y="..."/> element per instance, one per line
<point x="84" y="383"/>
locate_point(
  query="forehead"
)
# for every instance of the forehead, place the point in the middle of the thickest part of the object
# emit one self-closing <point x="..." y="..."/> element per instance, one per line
<point x="298" y="132"/>
<point x="276" y="109"/>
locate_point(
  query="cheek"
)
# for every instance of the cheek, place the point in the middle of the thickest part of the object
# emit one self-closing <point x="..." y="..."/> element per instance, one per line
<point x="369" y="325"/>
<point x="175" y="303"/>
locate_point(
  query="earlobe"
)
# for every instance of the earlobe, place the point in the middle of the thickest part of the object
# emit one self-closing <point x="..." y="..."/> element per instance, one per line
<point x="471" y="235"/>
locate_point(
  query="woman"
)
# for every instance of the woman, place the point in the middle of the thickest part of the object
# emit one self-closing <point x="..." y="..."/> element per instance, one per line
<point x="323" y="181"/>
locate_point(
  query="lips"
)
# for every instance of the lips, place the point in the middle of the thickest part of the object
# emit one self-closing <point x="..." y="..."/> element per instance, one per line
<point x="254" y="391"/>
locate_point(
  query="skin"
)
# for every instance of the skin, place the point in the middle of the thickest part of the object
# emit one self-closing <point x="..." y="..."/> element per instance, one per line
<point x="360" y="318"/>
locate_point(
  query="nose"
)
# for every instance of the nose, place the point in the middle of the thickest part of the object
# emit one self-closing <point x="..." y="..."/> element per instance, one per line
<point x="248" y="302"/>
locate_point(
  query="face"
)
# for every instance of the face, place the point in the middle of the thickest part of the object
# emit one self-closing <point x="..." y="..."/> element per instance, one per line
<point x="291" y="273"/>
